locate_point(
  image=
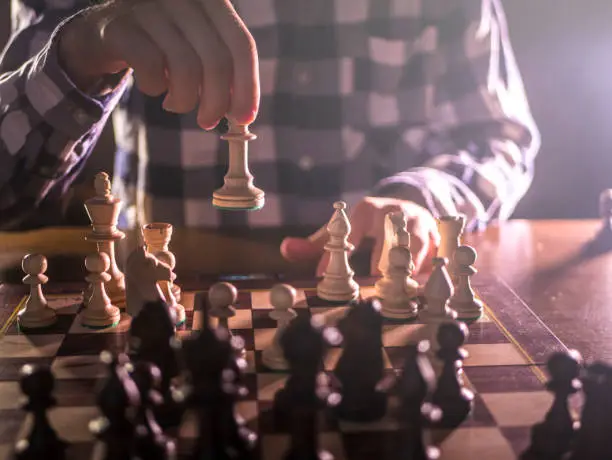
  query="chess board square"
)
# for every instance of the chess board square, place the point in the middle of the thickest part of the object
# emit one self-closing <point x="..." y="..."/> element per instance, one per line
<point x="275" y="446"/>
<point x="498" y="354"/>
<point x="369" y="445"/>
<point x="263" y="338"/>
<point x="76" y="392"/>
<point x="518" y="437"/>
<point x="469" y="443"/>
<point x="518" y="408"/>
<point x="30" y="346"/>
<point x="243" y="301"/>
<point x="65" y="304"/>
<point x="10" y="368"/>
<point x="61" y="326"/>
<point x="10" y="396"/>
<point x="78" y="328"/>
<point x="485" y="332"/>
<point x="480" y="415"/>
<point x="92" y="344"/>
<point x="9" y="428"/>
<point x="503" y="379"/>
<point x="268" y="384"/>
<point x="70" y="423"/>
<point x="79" y="367"/>
<point x="331" y="315"/>
<point x="241" y="320"/>
<point x="400" y="335"/>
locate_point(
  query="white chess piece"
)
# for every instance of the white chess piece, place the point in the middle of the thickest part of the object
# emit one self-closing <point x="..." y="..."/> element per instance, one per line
<point x="396" y="234"/>
<point x="282" y="298"/>
<point x="36" y="313"/>
<point x="338" y="284"/>
<point x="438" y="291"/>
<point x="143" y="272"/>
<point x="178" y="310"/>
<point x="397" y="289"/>
<point x="222" y="297"/>
<point x="99" y="312"/>
<point x="157" y="236"/>
<point x="464" y="300"/>
<point x="103" y="211"/>
<point x="450" y="229"/>
<point x="238" y="191"/>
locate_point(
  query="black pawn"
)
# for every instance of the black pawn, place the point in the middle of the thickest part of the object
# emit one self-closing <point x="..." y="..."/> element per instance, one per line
<point x="215" y="384"/>
<point x="37" y="383"/>
<point x="451" y="396"/>
<point x="593" y="440"/>
<point x="307" y="390"/>
<point x="152" y="333"/>
<point x="552" y="438"/>
<point x="150" y="442"/>
<point x="116" y="399"/>
<point x="413" y="387"/>
<point x="361" y="367"/>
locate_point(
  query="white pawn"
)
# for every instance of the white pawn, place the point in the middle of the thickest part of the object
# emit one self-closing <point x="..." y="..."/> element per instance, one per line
<point x="177" y="310"/>
<point x="338" y="284"/>
<point x="36" y="313"/>
<point x="221" y="299"/>
<point x="99" y="312"/>
<point x="464" y="300"/>
<point x="397" y="289"/>
<point x="282" y="298"/>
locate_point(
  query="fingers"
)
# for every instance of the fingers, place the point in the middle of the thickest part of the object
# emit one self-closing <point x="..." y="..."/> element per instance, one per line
<point x="245" y="79"/>
<point x="215" y="85"/>
<point x="126" y="42"/>
<point x="182" y="62"/>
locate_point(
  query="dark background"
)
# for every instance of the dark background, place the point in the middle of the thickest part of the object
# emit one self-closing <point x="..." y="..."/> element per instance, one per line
<point x="564" y="50"/>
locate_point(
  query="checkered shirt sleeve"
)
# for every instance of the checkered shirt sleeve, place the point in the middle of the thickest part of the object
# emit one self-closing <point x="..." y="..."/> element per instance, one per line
<point x="482" y="140"/>
<point x="47" y="127"/>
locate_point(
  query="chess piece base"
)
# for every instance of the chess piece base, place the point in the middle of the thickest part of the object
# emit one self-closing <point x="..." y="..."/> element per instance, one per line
<point x="274" y="361"/>
<point x="467" y="311"/>
<point x="37" y="319"/>
<point x="109" y="318"/>
<point x="239" y="198"/>
<point x="338" y="292"/>
<point x="179" y="314"/>
<point x="400" y="310"/>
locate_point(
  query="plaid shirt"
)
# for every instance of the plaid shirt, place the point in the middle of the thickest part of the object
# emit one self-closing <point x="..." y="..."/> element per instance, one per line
<point x="357" y="97"/>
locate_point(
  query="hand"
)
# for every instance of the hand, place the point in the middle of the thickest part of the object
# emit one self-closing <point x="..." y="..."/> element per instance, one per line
<point x="199" y="51"/>
<point x="367" y="221"/>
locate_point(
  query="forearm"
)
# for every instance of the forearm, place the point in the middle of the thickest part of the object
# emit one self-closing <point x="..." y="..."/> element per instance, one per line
<point x="47" y="129"/>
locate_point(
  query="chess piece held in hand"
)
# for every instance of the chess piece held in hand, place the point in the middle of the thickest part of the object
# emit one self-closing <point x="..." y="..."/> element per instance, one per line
<point x="238" y="191"/>
<point x="36" y="313"/>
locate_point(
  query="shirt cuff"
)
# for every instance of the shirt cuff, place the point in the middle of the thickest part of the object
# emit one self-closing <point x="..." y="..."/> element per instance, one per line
<point x="56" y="99"/>
<point x="438" y="191"/>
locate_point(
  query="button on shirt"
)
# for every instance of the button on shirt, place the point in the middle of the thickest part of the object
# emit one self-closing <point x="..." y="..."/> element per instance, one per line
<point x="358" y="97"/>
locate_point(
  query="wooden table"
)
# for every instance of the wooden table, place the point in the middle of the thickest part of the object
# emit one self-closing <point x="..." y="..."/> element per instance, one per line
<point x="544" y="262"/>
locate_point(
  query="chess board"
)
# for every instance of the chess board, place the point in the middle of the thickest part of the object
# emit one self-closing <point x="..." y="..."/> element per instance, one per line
<point x="507" y="349"/>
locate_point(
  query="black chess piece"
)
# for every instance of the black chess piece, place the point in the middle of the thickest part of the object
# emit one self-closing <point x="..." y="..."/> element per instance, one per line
<point x="151" y="338"/>
<point x="451" y="396"/>
<point x="215" y="380"/>
<point x="117" y="400"/>
<point x="413" y="387"/>
<point x="593" y="440"/>
<point x="360" y="368"/>
<point x="552" y="438"/>
<point x="149" y="441"/>
<point x="37" y="383"/>
<point x="307" y="389"/>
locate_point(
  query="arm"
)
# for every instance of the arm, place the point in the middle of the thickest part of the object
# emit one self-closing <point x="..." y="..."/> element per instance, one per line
<point x="481" y="141"/>
<point x="47" y="126"/>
